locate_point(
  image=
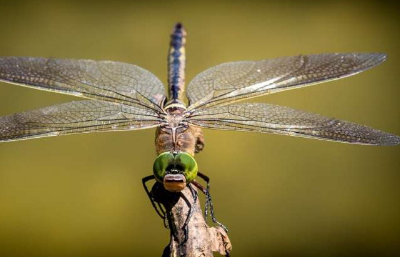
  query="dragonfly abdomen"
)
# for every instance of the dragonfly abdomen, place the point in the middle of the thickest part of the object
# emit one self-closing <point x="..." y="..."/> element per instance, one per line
<point x="176" y="63"/>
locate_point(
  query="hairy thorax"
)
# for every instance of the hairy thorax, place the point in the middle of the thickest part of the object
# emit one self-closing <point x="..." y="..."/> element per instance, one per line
<point x="187" y="139"/>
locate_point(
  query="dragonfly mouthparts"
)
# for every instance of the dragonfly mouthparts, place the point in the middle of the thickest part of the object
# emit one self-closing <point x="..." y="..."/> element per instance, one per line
<point x="174" y="182"/>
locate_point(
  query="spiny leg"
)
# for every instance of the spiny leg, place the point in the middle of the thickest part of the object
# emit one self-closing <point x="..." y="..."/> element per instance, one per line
<point x="159" y="210"/>
<point x="208" y="199"/>
<point x="186" y="223"/>
<point x="200" y="187"/>
<point x="194" y="193"/>
<point x="206" y="192"/>
<point x="208" y="196"/>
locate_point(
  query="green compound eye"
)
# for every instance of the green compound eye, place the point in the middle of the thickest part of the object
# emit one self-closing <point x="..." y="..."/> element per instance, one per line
<point x="180" y="163"/>
<point x="163" y="161"/>
<point x="188" y="164"/>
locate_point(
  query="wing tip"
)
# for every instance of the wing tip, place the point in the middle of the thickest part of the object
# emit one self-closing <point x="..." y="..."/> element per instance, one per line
<point x="367" y="61"/>
<point x="389" y="140"/>
<point x="379" y="57"/>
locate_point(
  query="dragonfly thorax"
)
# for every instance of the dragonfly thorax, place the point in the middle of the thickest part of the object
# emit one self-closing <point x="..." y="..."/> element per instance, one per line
<point x="184" y="138"/>
<point x="175" y="115"/>
<point x="174" y="121"/>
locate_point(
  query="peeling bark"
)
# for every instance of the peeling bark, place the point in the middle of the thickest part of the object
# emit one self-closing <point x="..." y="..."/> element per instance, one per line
<point x="202" y="240"/>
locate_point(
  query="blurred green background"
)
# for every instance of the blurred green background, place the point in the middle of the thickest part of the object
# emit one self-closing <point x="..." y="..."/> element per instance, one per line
<point x="81" y="195"/>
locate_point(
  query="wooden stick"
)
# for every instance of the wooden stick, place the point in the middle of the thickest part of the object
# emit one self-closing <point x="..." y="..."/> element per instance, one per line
<point x="200" y="239"/>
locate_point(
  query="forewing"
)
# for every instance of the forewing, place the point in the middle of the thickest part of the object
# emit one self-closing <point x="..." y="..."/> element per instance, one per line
<point x="102" y="80"/>
<point x="231" y="82"/>
<point x="76" y="117"/>
<point x="267" y="118"/>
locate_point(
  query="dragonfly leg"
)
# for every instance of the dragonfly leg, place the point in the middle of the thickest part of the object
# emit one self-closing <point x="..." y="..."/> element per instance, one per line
<point x="194" y="193"/>
<point x="160" y="211"/>
<point x="209" y="203"/>
<point x="201" y="188"/>
<point x="186" y="223"/>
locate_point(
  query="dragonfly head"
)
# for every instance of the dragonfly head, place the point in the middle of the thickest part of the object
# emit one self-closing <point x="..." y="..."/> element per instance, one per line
<point x="175" y="170"/>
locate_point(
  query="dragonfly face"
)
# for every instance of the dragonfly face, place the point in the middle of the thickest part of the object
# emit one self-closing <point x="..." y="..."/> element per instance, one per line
<point x="175" y="170"/>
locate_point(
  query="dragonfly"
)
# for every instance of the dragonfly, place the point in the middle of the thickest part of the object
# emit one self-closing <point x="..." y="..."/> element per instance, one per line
<point x="126" y="97"/>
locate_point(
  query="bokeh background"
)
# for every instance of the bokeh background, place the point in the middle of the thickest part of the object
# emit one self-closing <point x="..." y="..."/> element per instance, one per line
<point x="81" y="195"/>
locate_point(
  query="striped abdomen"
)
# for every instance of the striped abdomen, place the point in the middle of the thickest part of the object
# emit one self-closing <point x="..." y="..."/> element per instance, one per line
<point x="176" y="63"/>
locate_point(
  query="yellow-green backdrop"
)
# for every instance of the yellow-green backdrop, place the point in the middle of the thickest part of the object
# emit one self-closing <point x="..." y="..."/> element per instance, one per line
<point x="81" y="195"/>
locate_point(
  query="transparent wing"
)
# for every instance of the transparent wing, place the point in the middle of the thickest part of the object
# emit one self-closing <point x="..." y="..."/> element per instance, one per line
<point x="76" y="117"/>
<point x="267" y="118"/>
<point x="102" y="80"/>
<point x="231" y="82"/>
